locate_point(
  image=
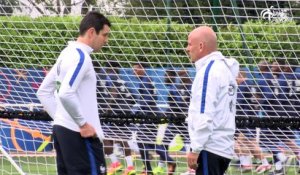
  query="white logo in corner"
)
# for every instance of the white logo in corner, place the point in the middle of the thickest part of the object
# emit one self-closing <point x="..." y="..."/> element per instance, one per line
<point x="276" y="14"/>
<point x="102" y="169"/>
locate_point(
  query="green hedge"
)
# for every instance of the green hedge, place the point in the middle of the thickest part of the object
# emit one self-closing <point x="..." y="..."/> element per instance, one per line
<point x="275" y="40"/>
<point x="262" y="40"/>
<point x="37" y="42"/>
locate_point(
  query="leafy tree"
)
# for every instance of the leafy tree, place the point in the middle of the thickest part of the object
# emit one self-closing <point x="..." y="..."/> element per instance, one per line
<point x="205" y="11"/>
<point x="86" y="5"/>
<point x="137" y="40"/>
<point x="6" y="7"/>
<point x="59" y="7"/>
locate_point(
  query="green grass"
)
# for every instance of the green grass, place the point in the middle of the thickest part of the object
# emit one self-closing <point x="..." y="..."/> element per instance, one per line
<point x="30" y="165"/>
<point x="234" y="171"/>
<point x="46" y="166"/>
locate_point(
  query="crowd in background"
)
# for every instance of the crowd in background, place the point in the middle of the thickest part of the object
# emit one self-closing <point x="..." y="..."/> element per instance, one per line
<point x="271" y="90"/>
<point x="115" y="95"/>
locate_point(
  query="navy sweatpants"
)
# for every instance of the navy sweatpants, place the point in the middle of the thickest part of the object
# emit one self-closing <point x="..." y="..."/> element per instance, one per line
<point x="76" y="155"/>
<point x="211" y="164"/>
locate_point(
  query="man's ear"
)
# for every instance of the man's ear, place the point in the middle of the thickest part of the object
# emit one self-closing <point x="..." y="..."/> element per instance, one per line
<point x="90" y="32"/>
<point x="201" y="46"/>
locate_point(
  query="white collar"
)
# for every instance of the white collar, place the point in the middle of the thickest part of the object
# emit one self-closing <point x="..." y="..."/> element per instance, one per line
<point x="82" y="46"/>
<point x="202" y="61"/>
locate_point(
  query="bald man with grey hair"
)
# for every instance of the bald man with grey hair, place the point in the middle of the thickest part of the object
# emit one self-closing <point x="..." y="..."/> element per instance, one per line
<point x="211" y="116"/>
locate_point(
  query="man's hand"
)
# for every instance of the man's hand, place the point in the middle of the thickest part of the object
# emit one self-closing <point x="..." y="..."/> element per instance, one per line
<point x="87" y="130"/>
<point x="192" y="160"/>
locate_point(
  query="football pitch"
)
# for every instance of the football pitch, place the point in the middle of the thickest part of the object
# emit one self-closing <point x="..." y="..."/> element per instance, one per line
<point x="46" y="166"/>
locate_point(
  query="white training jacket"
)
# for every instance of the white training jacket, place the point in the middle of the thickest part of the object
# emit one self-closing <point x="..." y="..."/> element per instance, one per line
<point x="68" y="92"/>
<point x="211" y="116"/>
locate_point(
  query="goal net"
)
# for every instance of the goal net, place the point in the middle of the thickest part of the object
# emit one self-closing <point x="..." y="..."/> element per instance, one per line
<point x="150" y="36"/>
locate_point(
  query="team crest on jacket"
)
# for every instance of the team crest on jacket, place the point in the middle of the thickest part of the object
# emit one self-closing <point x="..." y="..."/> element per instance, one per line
<point x="231" y="89"/>
<point x="102" y="169"/>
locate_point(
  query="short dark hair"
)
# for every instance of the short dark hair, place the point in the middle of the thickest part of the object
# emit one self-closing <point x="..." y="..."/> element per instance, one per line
<point x="95" y="20"/>
<point x="113" y="64"/>
<point x="141" y="64"/>
<point x="170" y="76"/>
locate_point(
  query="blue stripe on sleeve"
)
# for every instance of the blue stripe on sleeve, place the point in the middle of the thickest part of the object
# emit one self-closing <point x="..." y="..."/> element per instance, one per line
<point x="205" y="162"/>
<point x="204" y="89"/>
<point x="91" y="157"/>
<point x="79" y="65"/>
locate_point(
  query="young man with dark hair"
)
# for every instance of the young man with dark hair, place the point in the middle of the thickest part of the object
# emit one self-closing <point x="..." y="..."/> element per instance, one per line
<point x="68" y="94"/>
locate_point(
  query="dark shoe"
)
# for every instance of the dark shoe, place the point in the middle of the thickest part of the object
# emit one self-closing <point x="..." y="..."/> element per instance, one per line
<point x="278" y="172"/>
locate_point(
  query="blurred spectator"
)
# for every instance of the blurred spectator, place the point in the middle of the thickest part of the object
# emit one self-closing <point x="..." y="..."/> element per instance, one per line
<point x="119" y="97"/>
<point x="291" y="90"/>
<point x="114" y="98"/>
<point x="247" y="98"/>
<point x="147" y="107"/>
<point x="146" y="95"/>
<point x="268" y="88"/>
<point x="184" y="88"/>
<point x="174" y="97"/>
<point x="102" y="94"/>
<point x="179" y="93"/>
<point x="246" y="144"/>
<point x="264" y="89"/>
<point x="178" y="100"/>
<point x="112" y="89"/>
<point x="263" y="68"/>
<point x="274" y="89"/>
<point x="287" y="78"/>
